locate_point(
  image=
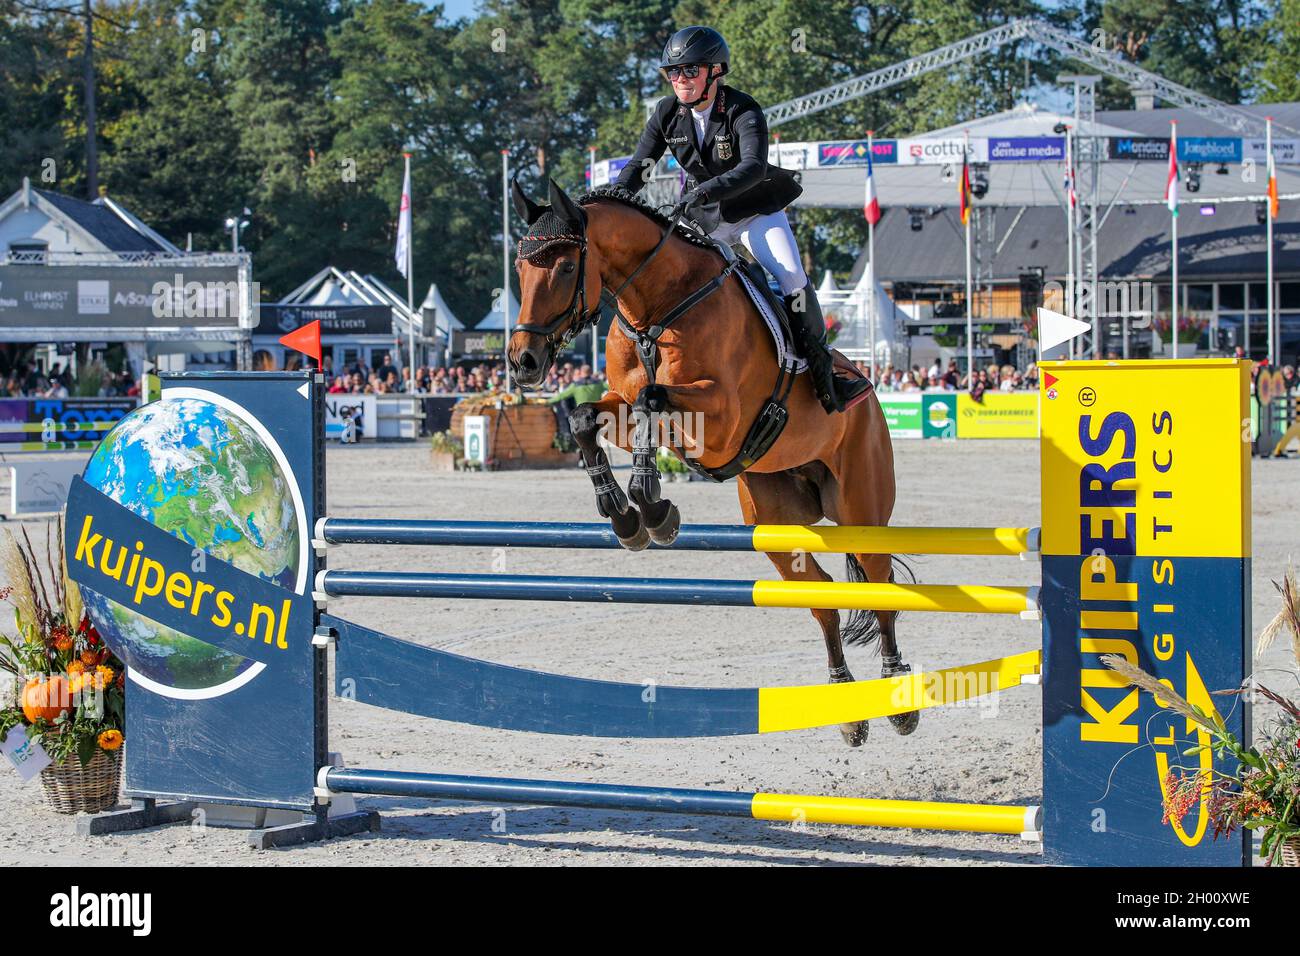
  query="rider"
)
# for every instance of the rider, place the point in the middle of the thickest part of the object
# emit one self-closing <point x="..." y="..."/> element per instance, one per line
<point x="719" y="136"/>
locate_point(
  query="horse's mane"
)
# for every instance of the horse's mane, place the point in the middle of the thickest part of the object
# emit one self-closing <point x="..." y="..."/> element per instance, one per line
<point x="625" y="197"/>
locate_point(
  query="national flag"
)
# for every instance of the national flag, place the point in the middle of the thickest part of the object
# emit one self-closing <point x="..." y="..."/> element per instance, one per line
<point x="870" y="205"/>
<point x="404" y="221"/>
<point x="965" y="191"/>
<point x="1070" y="192"/>
<point x="1171" y="182"/>
<point x="1272" y="187"/>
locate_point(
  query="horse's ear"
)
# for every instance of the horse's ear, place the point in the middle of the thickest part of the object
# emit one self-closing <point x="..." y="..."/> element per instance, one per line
<point x="528" y="210"/>
<point x="564" y="207"/>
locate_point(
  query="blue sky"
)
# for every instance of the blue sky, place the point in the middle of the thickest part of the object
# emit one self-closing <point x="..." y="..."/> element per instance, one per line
<point x="454" y="9"/>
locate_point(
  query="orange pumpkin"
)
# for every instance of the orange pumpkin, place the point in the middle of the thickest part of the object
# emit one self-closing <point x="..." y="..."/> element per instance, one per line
<point x="46" y="699"/>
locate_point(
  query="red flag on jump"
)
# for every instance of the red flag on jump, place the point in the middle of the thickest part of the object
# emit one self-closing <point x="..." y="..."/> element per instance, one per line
<point x="305" y="340"/>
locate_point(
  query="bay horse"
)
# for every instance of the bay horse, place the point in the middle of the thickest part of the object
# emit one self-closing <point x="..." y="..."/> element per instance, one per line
<point x="716" y="366"/>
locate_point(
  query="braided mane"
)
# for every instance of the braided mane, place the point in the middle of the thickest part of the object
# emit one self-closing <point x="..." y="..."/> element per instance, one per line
<point x="550" y="232"/>
<point x="625" y="197"/>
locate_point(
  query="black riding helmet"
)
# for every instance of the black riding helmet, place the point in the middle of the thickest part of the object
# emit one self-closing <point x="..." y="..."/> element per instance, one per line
<point x="696" y="45"/>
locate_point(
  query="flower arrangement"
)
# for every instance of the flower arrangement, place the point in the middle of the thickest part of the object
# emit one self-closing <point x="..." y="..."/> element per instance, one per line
<point x="1190" y="327"/>
<point x="446" y="442"/>
<point x="71" y="687"/>
<point x="1264" y="792"/>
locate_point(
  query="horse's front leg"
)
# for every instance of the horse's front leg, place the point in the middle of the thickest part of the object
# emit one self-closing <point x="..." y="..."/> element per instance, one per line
<point x="610" y="499"/>
<point x="660" y="516"/>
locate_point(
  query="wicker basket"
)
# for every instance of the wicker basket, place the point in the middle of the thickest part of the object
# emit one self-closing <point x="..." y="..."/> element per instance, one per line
<point x="72" y="788"/>
<point x="1291" y="852"/>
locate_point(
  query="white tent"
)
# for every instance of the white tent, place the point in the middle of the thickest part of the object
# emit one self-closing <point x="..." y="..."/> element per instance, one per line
<point x="828" y="284"/>
<point x="494" y="321"/>
<point x="443" y="316"/>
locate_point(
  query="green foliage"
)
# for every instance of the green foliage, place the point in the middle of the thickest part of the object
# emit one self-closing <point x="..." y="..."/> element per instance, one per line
<point x="300" y="109"/>
<point x="1279" y="80"/>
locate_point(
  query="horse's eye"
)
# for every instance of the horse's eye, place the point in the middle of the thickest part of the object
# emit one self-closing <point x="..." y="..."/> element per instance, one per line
<point x="569" y="267"/>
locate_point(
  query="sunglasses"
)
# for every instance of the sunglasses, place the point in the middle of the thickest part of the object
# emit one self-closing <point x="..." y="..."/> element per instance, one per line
<point x="690" y="72"/>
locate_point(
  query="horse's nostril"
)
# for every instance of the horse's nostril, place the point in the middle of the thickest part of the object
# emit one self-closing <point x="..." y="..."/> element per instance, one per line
<point x="528" y="361"/>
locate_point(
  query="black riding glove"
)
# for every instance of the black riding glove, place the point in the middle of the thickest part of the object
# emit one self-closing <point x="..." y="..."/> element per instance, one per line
<point x="690" y="203"/>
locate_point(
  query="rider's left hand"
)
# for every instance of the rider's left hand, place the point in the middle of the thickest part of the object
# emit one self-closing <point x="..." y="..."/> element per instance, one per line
<point x="690" y="201"/>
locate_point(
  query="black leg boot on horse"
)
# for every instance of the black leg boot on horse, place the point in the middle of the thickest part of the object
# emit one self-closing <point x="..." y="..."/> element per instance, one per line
<point x="610" y="500"/>
<point x="835" y="393"/>
<point x="660" y="516"/>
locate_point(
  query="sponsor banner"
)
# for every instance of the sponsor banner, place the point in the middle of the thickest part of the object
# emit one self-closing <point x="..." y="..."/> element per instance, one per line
<point x="1284" y="150"/>
<point x="40" y="485"/>
<point x="1148" y="148"/>
<point x="51" y="424"/>
<point x="344" y="410"/>
<point x="938" y="152"/>
<point x="998" y="415"/>
<point x="605" y="171"/>
<point x="939" y="415"/>
<point x="470" y="342"/>
<point x="1145" y="556"/>
<point x="1209" y="149"/>
<point x="1027" y="149"/>
<point x="853" y="152"/>
<point x="120" y="297"/>
<point x="334" y="319"/>
<point x="793" y="155"/>
<point x="902" y="414"/>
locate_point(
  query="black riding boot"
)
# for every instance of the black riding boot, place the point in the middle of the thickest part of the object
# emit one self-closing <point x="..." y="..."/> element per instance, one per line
<point x="835" y="393"/>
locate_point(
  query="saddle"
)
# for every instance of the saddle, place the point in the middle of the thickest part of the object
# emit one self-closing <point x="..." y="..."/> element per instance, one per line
<point x="772" y="308"/>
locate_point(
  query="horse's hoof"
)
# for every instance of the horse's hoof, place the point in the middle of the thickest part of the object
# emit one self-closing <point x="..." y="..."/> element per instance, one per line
<point x="666" y="532"/>
<point x="855" y="735"/>
<point x="638" y="541"/>
<point x="907" y="723"/>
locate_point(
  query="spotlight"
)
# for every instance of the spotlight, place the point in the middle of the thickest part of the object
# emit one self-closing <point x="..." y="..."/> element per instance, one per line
<point x="1261" y="213"/>
<point x="1059" y="128"/>
<point x="914" y="219"/>
<point x="1222" y="170"/>
<point x="979" y="186"/>
<point x="1194" y="177"/>
<point x="1207" y="210"/>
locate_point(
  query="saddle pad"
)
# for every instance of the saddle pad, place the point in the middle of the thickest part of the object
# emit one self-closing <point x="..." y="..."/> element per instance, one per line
<point x="785" y="355"/>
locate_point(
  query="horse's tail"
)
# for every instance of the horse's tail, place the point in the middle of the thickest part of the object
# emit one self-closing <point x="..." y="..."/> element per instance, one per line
<point x="862" y="627"/>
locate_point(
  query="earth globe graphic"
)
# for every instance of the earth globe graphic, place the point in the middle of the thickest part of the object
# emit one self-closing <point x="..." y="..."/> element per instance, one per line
<point x="197" y="470"/>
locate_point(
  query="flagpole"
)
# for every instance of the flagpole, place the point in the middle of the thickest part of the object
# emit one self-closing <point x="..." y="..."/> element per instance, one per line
<point x="970" y="322"/>
<point x="410" y="278"/>
<point x="1268" y="257"/>
<point x="595" y="327"/>
<point x="1173" y="195"/>
<point x="505" y="257"/>
<point x="871" y="257"/>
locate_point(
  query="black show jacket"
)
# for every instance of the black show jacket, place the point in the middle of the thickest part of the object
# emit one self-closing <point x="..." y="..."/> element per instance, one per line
<point x="731" y="165"/>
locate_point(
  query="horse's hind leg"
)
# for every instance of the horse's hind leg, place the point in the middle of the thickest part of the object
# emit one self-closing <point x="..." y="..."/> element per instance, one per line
<point x="879" y="569"/>
<point x="790" y="498"/>
<point x="860" y="491"/>
<point x="659" y="515"/>
<point x="610" y="500"/>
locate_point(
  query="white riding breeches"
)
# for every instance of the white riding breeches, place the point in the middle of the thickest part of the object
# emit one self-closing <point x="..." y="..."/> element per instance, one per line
<point x="770" y="241"/>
